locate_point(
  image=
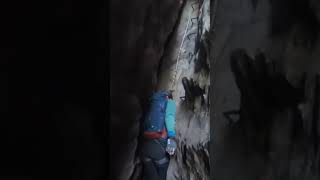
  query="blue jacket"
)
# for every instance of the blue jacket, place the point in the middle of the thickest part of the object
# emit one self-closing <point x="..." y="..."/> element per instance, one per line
<point x="170" y="118"/>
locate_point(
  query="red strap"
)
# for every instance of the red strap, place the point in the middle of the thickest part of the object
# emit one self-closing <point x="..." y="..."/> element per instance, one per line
<point x="156" y="135"/>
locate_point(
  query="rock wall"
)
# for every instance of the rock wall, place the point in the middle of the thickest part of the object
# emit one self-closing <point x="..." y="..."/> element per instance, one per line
<point x="286" y="31"/>
<point x="138" y="34"/>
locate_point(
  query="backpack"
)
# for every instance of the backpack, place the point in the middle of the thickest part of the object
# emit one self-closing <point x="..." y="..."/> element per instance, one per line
<point x="154" y="123"/>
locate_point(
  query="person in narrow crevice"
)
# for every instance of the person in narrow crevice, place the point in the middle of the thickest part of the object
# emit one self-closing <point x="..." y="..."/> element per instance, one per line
<point x="159" y="136"/>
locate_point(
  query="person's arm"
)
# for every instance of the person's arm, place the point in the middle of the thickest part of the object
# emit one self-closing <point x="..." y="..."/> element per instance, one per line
<point x="170" y="119"/>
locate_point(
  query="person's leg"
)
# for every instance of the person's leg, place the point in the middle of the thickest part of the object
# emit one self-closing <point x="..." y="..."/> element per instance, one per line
<point x="154" y="161"/>
<point x="162" y="167"/>
<point x="150" y="170"/>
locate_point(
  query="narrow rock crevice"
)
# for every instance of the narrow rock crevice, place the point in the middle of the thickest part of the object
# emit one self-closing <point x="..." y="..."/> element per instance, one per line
<point x="139" y="31"/>
<point x="192" y="122"/>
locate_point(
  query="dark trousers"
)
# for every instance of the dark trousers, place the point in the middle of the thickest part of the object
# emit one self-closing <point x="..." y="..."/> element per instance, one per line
<point x="155" y="159"/>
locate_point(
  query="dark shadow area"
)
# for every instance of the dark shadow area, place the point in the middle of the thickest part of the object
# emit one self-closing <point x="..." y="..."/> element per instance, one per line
<point x="265" y="110"/>
<point x="53" y="84"/>
<point x="265" y="92"/>
<point x="286" y="14"/>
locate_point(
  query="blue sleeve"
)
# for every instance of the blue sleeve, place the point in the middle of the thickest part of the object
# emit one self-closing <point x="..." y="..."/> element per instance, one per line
<point x="170" y="118"/>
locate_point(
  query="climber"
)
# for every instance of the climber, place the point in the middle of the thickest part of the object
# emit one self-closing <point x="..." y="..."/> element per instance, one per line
<point x="159" y="136"/>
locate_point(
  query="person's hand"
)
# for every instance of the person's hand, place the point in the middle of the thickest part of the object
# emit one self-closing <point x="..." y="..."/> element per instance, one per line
<point x="171" y="146"/>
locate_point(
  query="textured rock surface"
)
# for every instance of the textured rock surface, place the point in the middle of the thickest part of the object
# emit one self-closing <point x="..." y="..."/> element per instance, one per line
<point x="138" y="33"/>
<point x="240" y="24"/>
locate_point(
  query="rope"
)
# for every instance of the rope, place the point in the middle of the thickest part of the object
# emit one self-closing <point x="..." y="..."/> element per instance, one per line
<point x="177" y="62"/>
